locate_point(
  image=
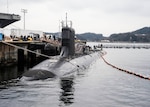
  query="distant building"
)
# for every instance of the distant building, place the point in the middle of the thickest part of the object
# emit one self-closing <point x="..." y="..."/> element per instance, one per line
<point x="105" y="41"/>
<point x="21" y="32"/>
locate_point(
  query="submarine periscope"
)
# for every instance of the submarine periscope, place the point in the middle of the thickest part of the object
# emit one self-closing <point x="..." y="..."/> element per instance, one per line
<point x="74" y="56"/>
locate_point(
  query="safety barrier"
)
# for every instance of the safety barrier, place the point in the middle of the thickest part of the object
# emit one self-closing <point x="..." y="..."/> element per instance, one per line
<point x="120" y="69"/>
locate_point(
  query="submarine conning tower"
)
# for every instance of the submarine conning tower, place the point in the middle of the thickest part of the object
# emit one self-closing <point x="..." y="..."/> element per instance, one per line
<point x="68" y="39"/>
<point x="68" y="35"/>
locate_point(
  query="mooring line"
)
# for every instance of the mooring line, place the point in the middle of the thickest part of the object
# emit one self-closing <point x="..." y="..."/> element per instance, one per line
<point x="120" y="69"/>
<point x="18" y="47"/>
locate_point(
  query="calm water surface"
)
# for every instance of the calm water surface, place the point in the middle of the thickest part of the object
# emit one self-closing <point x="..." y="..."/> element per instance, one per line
<point x="98" y="86"/>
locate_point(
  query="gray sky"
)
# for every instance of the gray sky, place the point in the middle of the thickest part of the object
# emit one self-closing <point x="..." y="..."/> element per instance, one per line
<point x="98" y="16"/>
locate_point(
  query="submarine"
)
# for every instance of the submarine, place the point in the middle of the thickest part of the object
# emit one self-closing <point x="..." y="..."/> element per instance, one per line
<point x="74" y="56"/>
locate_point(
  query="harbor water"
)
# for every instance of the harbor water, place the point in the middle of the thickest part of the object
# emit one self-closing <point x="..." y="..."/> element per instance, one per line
<point x="98" y="86"/>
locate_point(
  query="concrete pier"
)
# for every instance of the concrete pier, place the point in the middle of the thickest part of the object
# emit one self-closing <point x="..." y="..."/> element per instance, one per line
<point x="10" y="55"/>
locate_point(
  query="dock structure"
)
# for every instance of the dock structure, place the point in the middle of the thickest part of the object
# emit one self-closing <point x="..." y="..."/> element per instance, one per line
<point x="24" y="46"/>
<point x="126" y="46"/>
<point x="6" y="19"/>
<point x="20" y="52"/>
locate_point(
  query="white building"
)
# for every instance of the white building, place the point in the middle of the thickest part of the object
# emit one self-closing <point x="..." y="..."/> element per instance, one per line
<point x="20" y="32"/>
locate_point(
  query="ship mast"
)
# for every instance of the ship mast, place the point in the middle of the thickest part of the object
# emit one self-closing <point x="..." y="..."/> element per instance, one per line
<point x="66" y="23"/>
<point x="66" y="20"/>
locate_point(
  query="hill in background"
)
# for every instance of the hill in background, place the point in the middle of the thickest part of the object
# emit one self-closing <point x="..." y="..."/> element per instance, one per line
<point x="145" y="30"/>
<point x="90" y="36"/>
<point x="140" y="35"/>
<point x="83" y="36"/>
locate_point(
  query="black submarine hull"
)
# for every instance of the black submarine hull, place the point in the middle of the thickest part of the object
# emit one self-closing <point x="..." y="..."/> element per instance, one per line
<point x="60" y="67"/>
<point x="64" y="66"/>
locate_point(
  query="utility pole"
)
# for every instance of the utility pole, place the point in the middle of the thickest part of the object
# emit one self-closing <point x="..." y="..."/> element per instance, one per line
<point x="24" y="11"/>
<point x="7" y="7"/>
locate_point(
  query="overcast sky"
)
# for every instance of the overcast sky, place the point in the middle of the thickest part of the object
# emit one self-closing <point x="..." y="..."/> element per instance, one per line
<point x="98" y="16"/>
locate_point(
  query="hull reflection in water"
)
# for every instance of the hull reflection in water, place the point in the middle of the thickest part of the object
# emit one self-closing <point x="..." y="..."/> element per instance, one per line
<point x="67" y="93"/>
<point x="60" y="68"/>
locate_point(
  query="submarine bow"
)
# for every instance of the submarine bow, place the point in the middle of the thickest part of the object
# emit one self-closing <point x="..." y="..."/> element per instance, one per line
<point x="60" y="68"/>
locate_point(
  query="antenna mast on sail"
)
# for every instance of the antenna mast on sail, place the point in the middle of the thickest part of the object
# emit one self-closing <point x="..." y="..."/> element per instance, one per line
<point x="66" y="23"/>
<point x="66" y="20"/>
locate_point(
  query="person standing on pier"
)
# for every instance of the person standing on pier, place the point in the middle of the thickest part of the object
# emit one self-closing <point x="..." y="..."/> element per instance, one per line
<point x="101" y="47"/>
